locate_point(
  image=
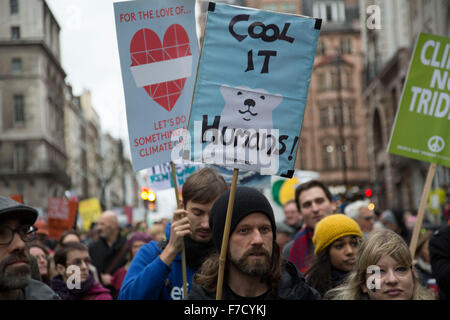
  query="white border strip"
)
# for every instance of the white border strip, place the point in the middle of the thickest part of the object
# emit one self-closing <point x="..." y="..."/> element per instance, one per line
<point x="162" y="71"/>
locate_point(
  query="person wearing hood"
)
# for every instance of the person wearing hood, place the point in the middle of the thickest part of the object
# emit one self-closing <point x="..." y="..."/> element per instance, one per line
<point x="156" y="271"/>
<point x="74" y="280"/>
<point x="336" y="243"/>
<point x="254" y="268"/>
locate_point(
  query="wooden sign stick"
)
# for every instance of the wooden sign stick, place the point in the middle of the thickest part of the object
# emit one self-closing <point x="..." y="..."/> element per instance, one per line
<point x="183" y="250"/>
<point x="226" y="234"/>
<point x="421" y="212"/>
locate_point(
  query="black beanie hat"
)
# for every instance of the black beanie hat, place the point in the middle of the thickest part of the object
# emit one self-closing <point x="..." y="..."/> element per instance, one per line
<point x="246" y="201"/>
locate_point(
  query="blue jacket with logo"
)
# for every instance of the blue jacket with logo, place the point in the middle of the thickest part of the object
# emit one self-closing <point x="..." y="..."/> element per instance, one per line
<point x="149" y="278"/>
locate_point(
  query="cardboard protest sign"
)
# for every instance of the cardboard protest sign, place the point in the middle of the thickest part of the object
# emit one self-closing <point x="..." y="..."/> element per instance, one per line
<point x="158" y="51"/>
<point x="61" y="216"/>
<point x="160" y="177"/>
<point x="246" y="178"/>
<point x="90" y="210"/>
<point x="251" y="89"/>
<point x="421" y="128"/>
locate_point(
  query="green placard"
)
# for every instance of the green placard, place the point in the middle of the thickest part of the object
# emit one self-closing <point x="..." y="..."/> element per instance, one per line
<point x="422" y="125"/>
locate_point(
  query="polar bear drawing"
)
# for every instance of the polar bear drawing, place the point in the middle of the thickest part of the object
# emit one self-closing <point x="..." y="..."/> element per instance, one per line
<point x="248" y="108"/>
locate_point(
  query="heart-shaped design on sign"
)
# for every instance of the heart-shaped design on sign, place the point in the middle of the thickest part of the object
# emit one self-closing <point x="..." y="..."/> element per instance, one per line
<point x="161" y="69"/>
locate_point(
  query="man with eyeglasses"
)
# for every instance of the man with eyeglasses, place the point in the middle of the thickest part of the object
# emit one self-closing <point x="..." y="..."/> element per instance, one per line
<point x="16" y="229"/>
<point x="74" y="280"/>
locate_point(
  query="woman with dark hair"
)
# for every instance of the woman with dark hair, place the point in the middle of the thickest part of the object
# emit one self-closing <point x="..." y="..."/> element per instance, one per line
<point x="336" y="241"/>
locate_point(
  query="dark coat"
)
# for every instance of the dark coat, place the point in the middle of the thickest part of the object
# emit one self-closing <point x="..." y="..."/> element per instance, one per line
<point x="37" y="290"/>
<point x="440" y="260"/>
<point x="292" y="287"/>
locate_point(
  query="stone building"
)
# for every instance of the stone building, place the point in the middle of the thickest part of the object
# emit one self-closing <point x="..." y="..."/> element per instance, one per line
<point x="32" y="144"/>
<point x="397" y="181"/>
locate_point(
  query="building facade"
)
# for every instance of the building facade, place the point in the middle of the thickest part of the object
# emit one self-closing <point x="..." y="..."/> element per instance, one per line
<point x="397" y="181"/>
<point x="32" y="144"/>
<point x="333" y="139"/>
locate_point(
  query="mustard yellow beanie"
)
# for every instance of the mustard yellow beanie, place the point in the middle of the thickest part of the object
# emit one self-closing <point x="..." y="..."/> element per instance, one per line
<point x="333" y="227"/>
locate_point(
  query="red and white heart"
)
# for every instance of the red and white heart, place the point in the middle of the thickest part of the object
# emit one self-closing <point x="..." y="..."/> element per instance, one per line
<point x="161" y="69"/>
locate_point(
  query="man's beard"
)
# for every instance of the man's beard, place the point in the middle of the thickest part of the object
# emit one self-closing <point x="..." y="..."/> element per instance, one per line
<point x="17" y="277"/>
<point x="256" y="267"/>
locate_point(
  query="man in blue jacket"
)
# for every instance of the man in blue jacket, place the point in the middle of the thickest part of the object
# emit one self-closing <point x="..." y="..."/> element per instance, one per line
<point x="156" y="271"/>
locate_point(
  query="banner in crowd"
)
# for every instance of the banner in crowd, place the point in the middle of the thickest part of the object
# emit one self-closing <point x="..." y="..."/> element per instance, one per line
<point x="245" y="178"/>
<point x="61" y="216"/>
<point x="158" y="51"/>
<point x="421" y="128"/>
<point x="90" y="210"/>
<point x="251" y="89"/>
<point x="160" y="177"/>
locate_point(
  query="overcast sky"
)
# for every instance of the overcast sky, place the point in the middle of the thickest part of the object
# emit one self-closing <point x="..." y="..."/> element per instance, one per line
<point x="90" y="58"/>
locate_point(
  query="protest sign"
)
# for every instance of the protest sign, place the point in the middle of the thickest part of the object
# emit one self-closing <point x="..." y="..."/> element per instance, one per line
<point x="251" y="89"/>
<point x="61" y="216"/>
<point x="90" y="210"/>
<point x="421" y="128"/>
<point x="158" y="51"/>
<point x="160" y="176"/>
<point x="246" y="178"/>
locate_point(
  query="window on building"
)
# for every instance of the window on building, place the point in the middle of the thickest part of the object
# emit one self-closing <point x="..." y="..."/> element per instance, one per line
<point x="20" y="157"/>
<point x="345" y="46"/>
<point x="19" y="108"/>
<point x="353" y="155"/>
<point x="270" y="6"/>
<point x="14" y="6"/>
<point x="16" y="65"/>
<point x="322" y="81"/>
<point x="288" y="7"/>
<point x="320" y="48"/>
<point x="334" y="79"/>
<point x="329" y="11"/>
<point x="324" y="120"/>
<point x="15" y="33"/>
<point x="349" y="113"/>
<point x="339" y="155"/>
<point x="327" y="156"/>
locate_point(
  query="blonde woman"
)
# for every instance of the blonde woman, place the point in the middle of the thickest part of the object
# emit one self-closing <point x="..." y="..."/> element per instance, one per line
<point x="384" y="271"/>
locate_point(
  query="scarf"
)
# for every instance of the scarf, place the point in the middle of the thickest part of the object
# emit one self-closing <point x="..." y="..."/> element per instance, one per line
<point x="337" y="276"/>
<point x="197" y="252"/>
<point x="302" y="249"/>
<point x="60" y="287"/>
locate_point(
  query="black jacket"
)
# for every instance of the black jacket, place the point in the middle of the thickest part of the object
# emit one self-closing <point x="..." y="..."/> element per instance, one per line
<point x="103" y="256"/>
<point x="440" y="260"/>
<point x="292" y="287"/>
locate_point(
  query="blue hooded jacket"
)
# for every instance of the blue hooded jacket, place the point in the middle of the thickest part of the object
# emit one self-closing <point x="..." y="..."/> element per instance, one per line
<point x="149" y="278"/>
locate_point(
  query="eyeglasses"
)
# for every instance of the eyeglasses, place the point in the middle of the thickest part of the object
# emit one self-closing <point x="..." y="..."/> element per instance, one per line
<point x="78" y="262"/>
<point x="27" y="233"/>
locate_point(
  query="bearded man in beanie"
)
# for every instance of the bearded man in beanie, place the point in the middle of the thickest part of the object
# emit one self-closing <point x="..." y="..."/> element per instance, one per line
<point x="253" y="268"/>
<point x="16" y="230"/>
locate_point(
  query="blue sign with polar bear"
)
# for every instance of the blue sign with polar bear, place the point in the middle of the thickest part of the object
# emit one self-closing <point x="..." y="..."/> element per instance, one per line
<point x="251" y="89"/>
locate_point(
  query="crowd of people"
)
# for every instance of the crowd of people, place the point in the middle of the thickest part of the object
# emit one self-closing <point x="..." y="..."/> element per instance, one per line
<point x="322" y="250"/>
